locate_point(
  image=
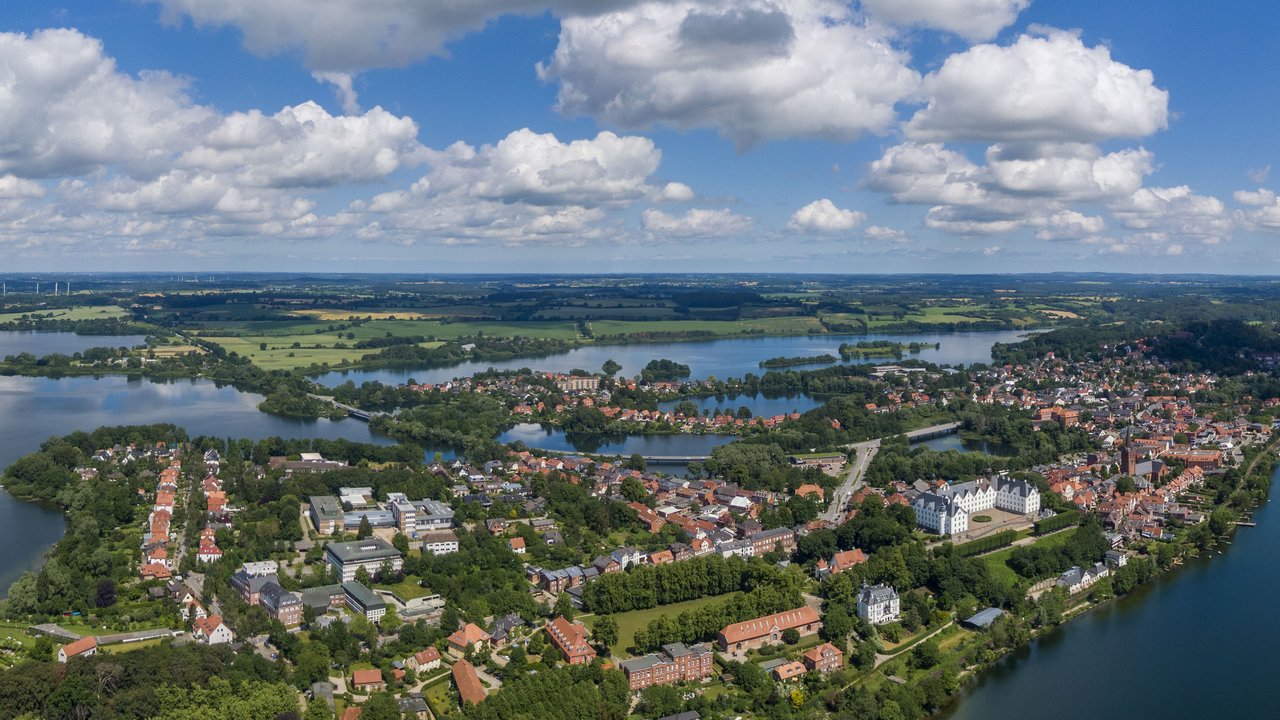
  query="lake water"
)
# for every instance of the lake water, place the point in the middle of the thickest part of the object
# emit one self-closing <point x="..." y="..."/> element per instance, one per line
<point x="13" y="342"/>
<point x="719" y="358"/>
<point x="955" y="442"/>
<point x="536" y="436"/>
<point x="1197" y="643"/>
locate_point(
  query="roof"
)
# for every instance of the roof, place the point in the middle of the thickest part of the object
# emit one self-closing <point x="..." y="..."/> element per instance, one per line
<point x="326" y="507"/>
<point x="469" y="687"/>
<point x="82" y="645"/>
<point x="366" y="677"/>
<point x="363" y="596"/>
<point x="468" y="635"/>
<point x="427" y="656"/>
<point x="368" y="550"/>
<point x="759" y="627"/>
<point x="984" y="618"/>
<point x="207" y="625"/>
<point x="825" y="649"/>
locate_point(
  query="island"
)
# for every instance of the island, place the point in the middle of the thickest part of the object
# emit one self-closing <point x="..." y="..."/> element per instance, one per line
<point x="864" y="349"/>
<point x="782" y="362"/>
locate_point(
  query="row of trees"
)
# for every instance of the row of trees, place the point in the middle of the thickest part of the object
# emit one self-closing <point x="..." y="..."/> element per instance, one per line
<point x="647" y="586"/>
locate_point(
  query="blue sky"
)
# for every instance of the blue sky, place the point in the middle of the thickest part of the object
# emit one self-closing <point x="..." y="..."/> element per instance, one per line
<point x="639" y="135"/>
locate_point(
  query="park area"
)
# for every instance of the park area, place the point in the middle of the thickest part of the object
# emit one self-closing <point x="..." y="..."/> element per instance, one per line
<point x="631" y="622"/>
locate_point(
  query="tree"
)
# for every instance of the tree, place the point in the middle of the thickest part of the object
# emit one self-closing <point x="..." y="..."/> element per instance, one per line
<point x="564" y="607"/>
<point x="925" y="655"/>
<point x="610" y="367"/>
<point x="318" y="710"/>
<point x="637" y="462"/>
<point x="1125" y="484"/>
<point x="401" y="543"/>
<point x="106" y="593"/>
<point x="605" y="632"/>
<point x="791" y="636"/>
<point x="381" y="706"/>
<point x="365" y="530"/>
<point x="633" y="490"/>
<point x="362" y="576"/>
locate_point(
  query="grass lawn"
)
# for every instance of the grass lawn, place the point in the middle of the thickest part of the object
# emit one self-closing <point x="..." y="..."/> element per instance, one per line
<point x="996" y="560"/>
<point x="630" y="622"/>
<point x="406" y="589"/>
<point x="103" y="312"/>
<point x="281" y="355"/>
<point x="130" y="647"/>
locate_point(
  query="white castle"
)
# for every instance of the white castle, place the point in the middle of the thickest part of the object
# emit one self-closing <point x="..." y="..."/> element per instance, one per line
<point x="946" y="511"/>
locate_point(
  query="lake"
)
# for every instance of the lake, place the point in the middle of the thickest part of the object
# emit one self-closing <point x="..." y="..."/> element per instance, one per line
<point x="955" y="442"/>
<point x="733" y="357"/>
<point x="37" y="343"/>
<point x="536" y="436"/>
<point x="1196" y="643"/>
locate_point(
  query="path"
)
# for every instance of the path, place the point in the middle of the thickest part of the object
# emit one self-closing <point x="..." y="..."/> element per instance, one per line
<point x="866" y="451"/>
<point x="881" y="659"/>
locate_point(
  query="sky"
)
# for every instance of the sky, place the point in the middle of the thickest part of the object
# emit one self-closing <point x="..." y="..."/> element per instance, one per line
<point x="605" y="136"/>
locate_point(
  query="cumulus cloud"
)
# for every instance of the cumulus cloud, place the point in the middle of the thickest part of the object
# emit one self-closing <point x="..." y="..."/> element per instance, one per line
<point x="1169" y="212"/>
<point x="822" y="216"/>
<point x="696" y="223"/>
<point x="970" y="19"/>
<point x="1263" y="213"/>
<point x="881" y="233"/>
<point x="1067" y="171"/>
<point x="1068" y="225"/>
<point x="528" y="187"/>
<point x="753" y="70"/>
<point x="1042" y="88"/>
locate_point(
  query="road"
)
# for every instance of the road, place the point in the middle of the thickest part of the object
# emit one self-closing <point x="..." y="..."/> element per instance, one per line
<point x="852" y="480"/>
<point x="865" y="452"/>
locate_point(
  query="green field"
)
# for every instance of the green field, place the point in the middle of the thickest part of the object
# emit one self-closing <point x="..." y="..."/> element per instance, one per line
<point x="630" y="622"/>
<point x="104" y="312"/>
<point x="130" y="647"/>
<point x="996" y="560"/>
<point x="772" y="326"/>
<point x="406" y="589"/>
<point x="281" y="355"/>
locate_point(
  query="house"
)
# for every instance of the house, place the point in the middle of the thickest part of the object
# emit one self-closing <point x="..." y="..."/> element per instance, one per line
<point x="752" y="634"/>
<point x="788" y="670"/>
<point x="571" y="640"/>
<point x="154" y="572"/>
<point x="367" y="680"/>
<point x="516" y="544"/>
<point x="878" y="604"/>
<point x="415" y="706"/>
<point x="846" y="559"/>
<point x="249" y="580"/>
<point x="211" y="631"/>
<point x="502" y="628"/>
<point x="468" y="683"/>
<point x="1079" y="579"/>
<point x="468" y="636"/>
<point x="208" y="552"/>
<point x="676" y="663"/>
<point x="440" y="542"/>
<point x="424" y="660"/>
<point x="824" y="658"/>
<point x="84" y="647"/>
<point x="371" y="554"/>
<point x="353" y="712"/>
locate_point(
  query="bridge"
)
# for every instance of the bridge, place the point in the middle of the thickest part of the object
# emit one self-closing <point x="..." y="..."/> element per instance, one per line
<point x="354" y="412"/>
<point x="932" y="432"/>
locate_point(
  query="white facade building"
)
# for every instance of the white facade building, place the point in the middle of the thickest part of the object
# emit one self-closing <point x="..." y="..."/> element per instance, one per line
<point x="946" y="511"/>
<point x="878" y="604"/>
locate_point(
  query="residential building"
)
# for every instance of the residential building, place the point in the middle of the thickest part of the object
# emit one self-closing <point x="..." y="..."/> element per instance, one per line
<point x="788" y="670"/>
<point x="676" y="663"/>
<point x="370" y="554"/>
<point x="440" y="542"/>
<point x="516" y="544"/>
<point x="878" y="604"/>
<point x="84" y="647"/>
<point x="766" y="541"/>
<point x="1079" y="579"/>
<point x="424" y="660"/>
<point x="211" y="631"/>
<point x="751" y="634"/>
<point x="571" y="640"/>
<point x="468" y="683"/>
<point x="824" y="658"/>
<point x="467" y="636"/>
<point x="251" y="578"/>
<point x="369" y="680"/>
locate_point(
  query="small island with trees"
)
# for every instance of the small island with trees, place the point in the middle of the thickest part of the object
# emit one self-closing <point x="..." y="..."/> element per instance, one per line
<point x="781" y="362"/>
<point x="882" y="349"/>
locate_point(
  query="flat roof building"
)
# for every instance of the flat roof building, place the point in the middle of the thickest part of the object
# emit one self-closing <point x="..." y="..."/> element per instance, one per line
<point x="371" y="553"/>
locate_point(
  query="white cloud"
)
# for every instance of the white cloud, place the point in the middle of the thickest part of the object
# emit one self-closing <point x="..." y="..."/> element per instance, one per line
<point x="354" y="35"/>
<point x="1048" y="88"/>
<point x="67" y="109"/>
<point x="822" y="216"/>
<point x="880" y="233"/>
<point x="1264" y="209"/>
<point x="1068" y="225"/>
<point x="674" y="192"/>
<point x="1174" y="212"/>
<point x="1067" y="171"/>
<point x="970" y="19"/>
<point x="696" y="222"/>
<point x="343" y="87"/>
<point x="16" y="188"/>
<point x="927" y="174"/>
<point x="753" y="70"/>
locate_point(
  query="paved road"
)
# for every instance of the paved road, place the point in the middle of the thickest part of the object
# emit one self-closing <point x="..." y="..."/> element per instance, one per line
<point x="852" y="480"/>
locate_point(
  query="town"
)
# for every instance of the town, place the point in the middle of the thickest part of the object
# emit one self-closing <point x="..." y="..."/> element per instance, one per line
<point x="875" y="566"/>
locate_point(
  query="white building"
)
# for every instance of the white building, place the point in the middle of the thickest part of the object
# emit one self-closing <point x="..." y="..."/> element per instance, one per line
<point x="946" y="511"/>
<point x="211" y="631"/>
<point x="878" y="604"/>
<point x="1078" y="579"/>
<point x="440" y="542"/>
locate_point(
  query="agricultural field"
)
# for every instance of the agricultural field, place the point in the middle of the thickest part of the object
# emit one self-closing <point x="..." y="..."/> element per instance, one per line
<point x="794" y="325"/>
<point x="99" y="312"/>
<point x="281" y="353"/>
